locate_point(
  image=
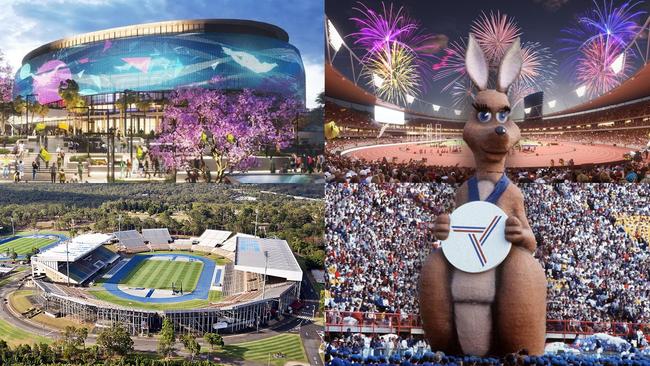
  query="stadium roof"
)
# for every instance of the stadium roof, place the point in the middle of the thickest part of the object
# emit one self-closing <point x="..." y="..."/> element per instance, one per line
<point x="165" y="28"/>
<point x="157" y="236"/>
<point x="251" y="256"/>
<point x="231" y="244"/>
<point x="635" y="87"/>
<point x="129" y="238"/>
<point x="212" y="238"/>
<point x="75" y="248"/>
<point x="339" y="87"/>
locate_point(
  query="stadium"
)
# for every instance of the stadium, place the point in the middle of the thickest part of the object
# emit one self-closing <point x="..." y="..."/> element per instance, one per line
<point x="410" y="129"/>
<point x="153" y="59"/>
<point x="98" y="101"/>
<point x="218" y="282"/>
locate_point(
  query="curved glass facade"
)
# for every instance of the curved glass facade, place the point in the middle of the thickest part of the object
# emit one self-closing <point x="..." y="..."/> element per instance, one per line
<point x="166" y="62"/>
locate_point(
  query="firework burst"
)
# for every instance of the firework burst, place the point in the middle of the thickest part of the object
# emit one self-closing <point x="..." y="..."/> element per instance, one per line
<point x="594" y="71"/>
<point x="538" y="68"/>
<point x="394" y="73"/>
<point x="451" y="65"/>
<point x="462" y="92"/>
<point x="495" y="33"/>
<point x="396" y="50"/>
<point x="598" y="39"/>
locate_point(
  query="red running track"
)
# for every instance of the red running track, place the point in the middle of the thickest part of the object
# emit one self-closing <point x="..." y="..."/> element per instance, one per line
<point x="579" y="152"/>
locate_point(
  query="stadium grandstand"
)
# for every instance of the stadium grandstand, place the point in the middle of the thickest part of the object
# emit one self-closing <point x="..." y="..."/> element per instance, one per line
<point x="261" y="280"/>
<point x="598" y="138"/>
<point x="74" y="261"/>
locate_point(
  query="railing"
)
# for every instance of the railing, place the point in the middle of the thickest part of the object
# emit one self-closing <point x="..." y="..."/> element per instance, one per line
<point x="370" y="322"/>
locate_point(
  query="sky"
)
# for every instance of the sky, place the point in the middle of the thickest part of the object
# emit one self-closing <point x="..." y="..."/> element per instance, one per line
<point x="27" y="24"/>
<point x="540" y="21"/>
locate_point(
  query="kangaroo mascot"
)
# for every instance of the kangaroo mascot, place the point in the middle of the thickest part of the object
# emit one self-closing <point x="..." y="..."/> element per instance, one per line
<point x="502" y="310"/>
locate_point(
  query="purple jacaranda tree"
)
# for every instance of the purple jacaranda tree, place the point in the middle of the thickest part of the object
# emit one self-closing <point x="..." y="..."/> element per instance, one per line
<point x="231" y="127"/>
<point x="6" y="88"/>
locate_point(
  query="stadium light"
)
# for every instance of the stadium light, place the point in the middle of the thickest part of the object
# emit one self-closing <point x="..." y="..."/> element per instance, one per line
<point x="619" y="62"/>
<point x="377" y="80"/>
<point x="527" y="110"/>
<point x="334" y="37"/>
<point x="436" y="107"/>
<point x="551" y="103"/>
<point x="457" y="112"/>
<point x="581" y="91"/>
<point x="409" y="98"/>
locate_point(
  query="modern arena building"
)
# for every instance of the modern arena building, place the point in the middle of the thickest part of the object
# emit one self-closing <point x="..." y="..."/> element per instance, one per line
<point x="221" y="281"/>
<point x="150" y="60"/>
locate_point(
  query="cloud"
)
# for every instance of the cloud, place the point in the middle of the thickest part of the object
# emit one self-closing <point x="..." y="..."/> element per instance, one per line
<point x="552" y="5"/>
<point x="315" y="81"/>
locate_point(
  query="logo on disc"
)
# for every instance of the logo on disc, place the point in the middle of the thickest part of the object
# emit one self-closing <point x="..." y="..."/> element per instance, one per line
<point x="476" y="241"/>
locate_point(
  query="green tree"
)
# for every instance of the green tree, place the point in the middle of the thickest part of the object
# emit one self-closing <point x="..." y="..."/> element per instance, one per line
<point x="191" y="345"/>
<point x="214" y="340"/>
<point x="71" y="340"/>
<point x="167" y="338"/>
<point x="115" y="341"/>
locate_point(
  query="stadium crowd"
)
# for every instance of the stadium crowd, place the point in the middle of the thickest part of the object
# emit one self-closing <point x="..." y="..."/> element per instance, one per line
<point x="344" y="169"/>
<point x="375" y="242"/>
<point x="596" y="262"/>
<point x="596" y="266"/>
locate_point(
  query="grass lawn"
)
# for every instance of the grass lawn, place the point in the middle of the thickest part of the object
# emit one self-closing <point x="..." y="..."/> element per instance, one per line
<point x="42" y="232"/>
<point x="25" y="245"/>
<point x="15" y="336"/>
<point x="288" y="344"/>
<point x="216" y="258"/>
<point x="184" y="305"/>
<point x="161" y="274"/>
<point x="19" y="301"/>
<point x="214" y="296"/>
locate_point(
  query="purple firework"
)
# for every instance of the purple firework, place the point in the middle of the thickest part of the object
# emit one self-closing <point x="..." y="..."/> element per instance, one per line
<point x="598" y="39"/>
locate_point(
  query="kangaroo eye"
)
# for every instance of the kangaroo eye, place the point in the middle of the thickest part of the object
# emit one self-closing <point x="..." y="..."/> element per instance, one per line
<point x="503" y="116"/>
<point x="484" y="116"/>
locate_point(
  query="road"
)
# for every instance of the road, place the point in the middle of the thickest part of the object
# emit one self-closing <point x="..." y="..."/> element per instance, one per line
<point x="299" y="324"/>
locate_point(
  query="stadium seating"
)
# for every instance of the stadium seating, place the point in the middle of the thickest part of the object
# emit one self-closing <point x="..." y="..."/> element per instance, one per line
<point x="131" y="241"/>
<point x="85" y="268"/>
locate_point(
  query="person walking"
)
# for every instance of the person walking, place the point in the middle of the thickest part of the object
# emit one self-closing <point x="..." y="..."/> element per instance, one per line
<point x="34" y="169"/>
<point x="53" y="172"/>
<point x="80" y="171"/>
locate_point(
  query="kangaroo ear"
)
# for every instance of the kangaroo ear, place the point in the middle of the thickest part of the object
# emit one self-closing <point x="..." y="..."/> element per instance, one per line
<point x="475" y="63"/>
<point x="510" y="66"/>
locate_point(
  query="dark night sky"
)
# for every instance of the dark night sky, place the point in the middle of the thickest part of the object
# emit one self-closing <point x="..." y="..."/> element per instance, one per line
<point x="539" y="20"/>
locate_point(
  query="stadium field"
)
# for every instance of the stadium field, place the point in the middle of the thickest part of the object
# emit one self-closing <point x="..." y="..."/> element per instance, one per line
<point x="160" y="274"/>
<point x="287" y="344"/>
<point x="25" y="245"/>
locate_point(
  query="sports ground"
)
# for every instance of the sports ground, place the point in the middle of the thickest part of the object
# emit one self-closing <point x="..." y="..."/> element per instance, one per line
<point x="25" y="244"/>
<point x="161" y="274"/>
<point x="147" y="279"/>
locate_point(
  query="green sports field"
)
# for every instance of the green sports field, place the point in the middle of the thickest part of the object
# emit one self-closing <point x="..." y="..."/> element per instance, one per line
<point x="25" y="245"/>
<point x="161" y="274"/>
<point x="264" y="350"/>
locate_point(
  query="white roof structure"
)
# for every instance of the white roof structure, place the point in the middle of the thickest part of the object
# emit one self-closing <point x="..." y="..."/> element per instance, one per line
<point x="157" y="236"/>
<point x="272" y="256"/>
<point x="231" y="244"/>
<point x="77" y="248"/>
<point x="212" y="238"/>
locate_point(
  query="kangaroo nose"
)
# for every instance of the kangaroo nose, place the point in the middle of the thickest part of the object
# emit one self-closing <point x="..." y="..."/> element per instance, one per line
<point x="500" y="130"/>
